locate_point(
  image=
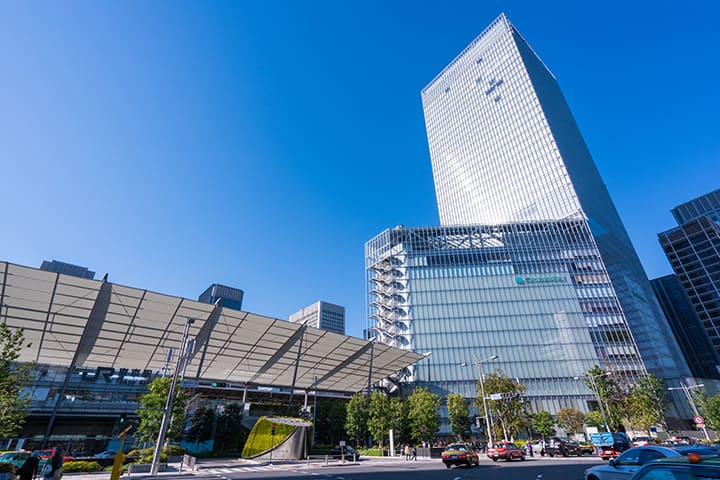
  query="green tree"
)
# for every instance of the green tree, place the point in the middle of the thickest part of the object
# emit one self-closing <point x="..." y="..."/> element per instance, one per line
<point x="379" y="417"/>
<point x="330" y="421"/>
<point x="14" y="378"/>
<point x="230" y="433"/>
<point x="356" y="418"/>
<point x="648" y="403"/>
<point x="459" y="415"/>
<point x="571" y="419"/>
<point x="202" y="425"/>
<point x="542" y="423"/>
<point x="594" y="419"/>
<point x="423" y="414"/>
<point x="510" y="410"/>
<point x="613" y="395"/>
<point x="709" y="408"/>
<point x="151" y="409"/>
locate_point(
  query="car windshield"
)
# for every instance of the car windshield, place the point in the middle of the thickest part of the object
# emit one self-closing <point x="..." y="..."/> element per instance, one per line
<point x="456" y="447"/>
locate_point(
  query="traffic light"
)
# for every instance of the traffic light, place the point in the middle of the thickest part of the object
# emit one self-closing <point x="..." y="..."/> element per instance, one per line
<point x="123" y="417"/>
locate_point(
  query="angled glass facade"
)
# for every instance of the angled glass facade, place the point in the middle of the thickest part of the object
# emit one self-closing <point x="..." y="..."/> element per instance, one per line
<point x="535" y="294"/>
<point x="505" y="148"/>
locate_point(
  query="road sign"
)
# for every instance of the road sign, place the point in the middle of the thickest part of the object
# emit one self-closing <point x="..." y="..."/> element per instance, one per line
<point x="698" y="420"/>
<point x="342" y="443"/>
<point x="496" y="396"/>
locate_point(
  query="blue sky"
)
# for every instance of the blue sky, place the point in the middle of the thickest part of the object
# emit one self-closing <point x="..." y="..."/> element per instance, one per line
<point x="260" y="144"/>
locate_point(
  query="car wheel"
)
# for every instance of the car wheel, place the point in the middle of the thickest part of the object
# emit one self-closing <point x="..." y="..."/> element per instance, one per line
<point x="592" y="477"/>
<point x="542" y="453"/>
<point x="522" y="458"/>
<point x="565" y="452"/>
<point x="494" y="459"/>
<point x="447" y="465"/>
<point x="509" y="458"/>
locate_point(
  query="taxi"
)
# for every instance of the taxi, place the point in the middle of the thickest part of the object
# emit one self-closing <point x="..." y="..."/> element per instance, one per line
<point x="460" y="454"/>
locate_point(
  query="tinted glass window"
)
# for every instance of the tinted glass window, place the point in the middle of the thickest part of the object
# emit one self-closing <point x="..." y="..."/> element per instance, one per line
<point x="649" y="455"/>
<point x="631" y="457"/>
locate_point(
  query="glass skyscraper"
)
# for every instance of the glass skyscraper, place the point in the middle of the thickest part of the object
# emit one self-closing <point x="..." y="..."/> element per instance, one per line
<point x="536" y="294"/>
<point x="505" y="148"/>
<point x="693" y="249"/>
<point x="548" y="279"/>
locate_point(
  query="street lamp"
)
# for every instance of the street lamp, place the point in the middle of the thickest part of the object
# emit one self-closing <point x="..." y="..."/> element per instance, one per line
<point x="597" y="394"/>
<point x="482" y="392"/>
<point x="686" y="388"/>
<point x="182" y="358"/>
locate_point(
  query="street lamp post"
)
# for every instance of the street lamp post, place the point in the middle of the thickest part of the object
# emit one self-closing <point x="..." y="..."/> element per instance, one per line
<point x="597" y="394"/>
<point x="686" y="389"/>
<point x="481" y="376"/>
<point x="168" y="403"/>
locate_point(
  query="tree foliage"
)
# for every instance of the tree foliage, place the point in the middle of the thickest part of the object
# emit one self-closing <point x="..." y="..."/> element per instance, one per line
<point x="151" y="409"/>
<point x="571" y="419"/>
<point x="709" y="408"/>
<point x="14" y="378"/>
<point x="510" y="411"/>
<point x="613" y="395"/>
<point x="459" y="415"/>
<point x="330" y="421"/>
<point x="202" y="425"/>
<point x="423" y="414"/>
<point x="380" y="419"/>
<point x="542" y="423"/>
<point x="356" y="418"/>
<point x="648" y="403"/>
<point x="593" y="419"/>
<point x="230" y="434"/>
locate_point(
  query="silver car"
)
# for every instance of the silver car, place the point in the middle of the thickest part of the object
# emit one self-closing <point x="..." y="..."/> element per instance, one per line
<point x="622" y="467"/>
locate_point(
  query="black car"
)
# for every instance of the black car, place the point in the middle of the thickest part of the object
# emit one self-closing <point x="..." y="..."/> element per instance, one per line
<point x="562" y="446"/>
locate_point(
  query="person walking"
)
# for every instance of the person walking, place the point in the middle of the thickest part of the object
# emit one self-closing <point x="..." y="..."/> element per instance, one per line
<point x="29" y="468"/>
<point x="407" y="452"/>
<point x="414" y="453"/>
<point x="56" y="461"/>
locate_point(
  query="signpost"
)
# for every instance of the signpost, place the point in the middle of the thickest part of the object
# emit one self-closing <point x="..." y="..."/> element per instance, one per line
<point x="699" y="420"/>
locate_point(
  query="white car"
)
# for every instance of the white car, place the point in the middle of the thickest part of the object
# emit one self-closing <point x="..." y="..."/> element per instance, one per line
<point x="624" y="466"/>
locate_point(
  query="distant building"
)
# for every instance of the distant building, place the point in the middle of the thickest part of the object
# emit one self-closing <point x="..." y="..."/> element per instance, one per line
<point x="67" y="269"/>
<point x="229" y="297"/>
<point x="326" y="316"/>
<point x="701" y="357"/>
<point x="693" y="249"/>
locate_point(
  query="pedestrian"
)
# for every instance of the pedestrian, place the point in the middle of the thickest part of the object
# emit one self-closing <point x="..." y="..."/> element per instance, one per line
<point x="29" y="469"/>
<point x="407" y="452"/>
<point x="414" y="453"/>
<point x="529" y="448"/>
<point x="55" y="471"/>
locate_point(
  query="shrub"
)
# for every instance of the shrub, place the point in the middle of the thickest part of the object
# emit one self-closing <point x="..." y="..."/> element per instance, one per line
<point x="80" y="466"/>
<point x="149" y="458"/>
<point x="6" y="467"/>
<point x="174" y="450"/>
<point x="373" y="452"/>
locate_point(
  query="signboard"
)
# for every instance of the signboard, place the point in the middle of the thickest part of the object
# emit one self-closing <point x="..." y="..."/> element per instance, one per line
<point x="342" y="443"/>
<point x="496" y="396"/>
<point x="698" y="420"/>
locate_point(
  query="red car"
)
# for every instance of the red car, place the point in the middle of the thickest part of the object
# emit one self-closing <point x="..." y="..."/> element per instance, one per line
<point x="506" y="450"/>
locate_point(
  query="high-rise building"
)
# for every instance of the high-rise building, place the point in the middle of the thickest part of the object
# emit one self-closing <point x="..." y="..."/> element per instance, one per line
<point x="229" y="297"/>
<point x="693" y="249"/>
<point x="694" y="342"/>
<point x="67" y="269"/>
<point x="505" y="148"/>
<point x="509" y="161"/>
<point x="323" y="315"/>
<point x="535" y="294"/>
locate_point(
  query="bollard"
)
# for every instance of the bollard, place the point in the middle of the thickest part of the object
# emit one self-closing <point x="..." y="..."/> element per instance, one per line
<point x="326" y="459"/>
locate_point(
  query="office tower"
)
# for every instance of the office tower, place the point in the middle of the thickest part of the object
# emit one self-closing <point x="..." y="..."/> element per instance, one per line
<point x="694" y="342"/>
<point x="229" y="297"/>
<point x="693" y="249"/>
<point x="505" y="148"/>
<point x="536" y="294"/>
<point x="67" y="269"/>
<point x="326" y="316"/>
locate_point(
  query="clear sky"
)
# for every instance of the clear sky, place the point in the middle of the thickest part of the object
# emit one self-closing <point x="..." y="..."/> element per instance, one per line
<point x="259" y="144"/>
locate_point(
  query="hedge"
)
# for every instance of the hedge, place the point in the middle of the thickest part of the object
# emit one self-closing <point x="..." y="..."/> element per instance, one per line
<point x="80" y="466"/>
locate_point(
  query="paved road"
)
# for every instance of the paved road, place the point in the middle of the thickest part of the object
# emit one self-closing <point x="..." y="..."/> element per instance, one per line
<point x="571" y="468"/>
